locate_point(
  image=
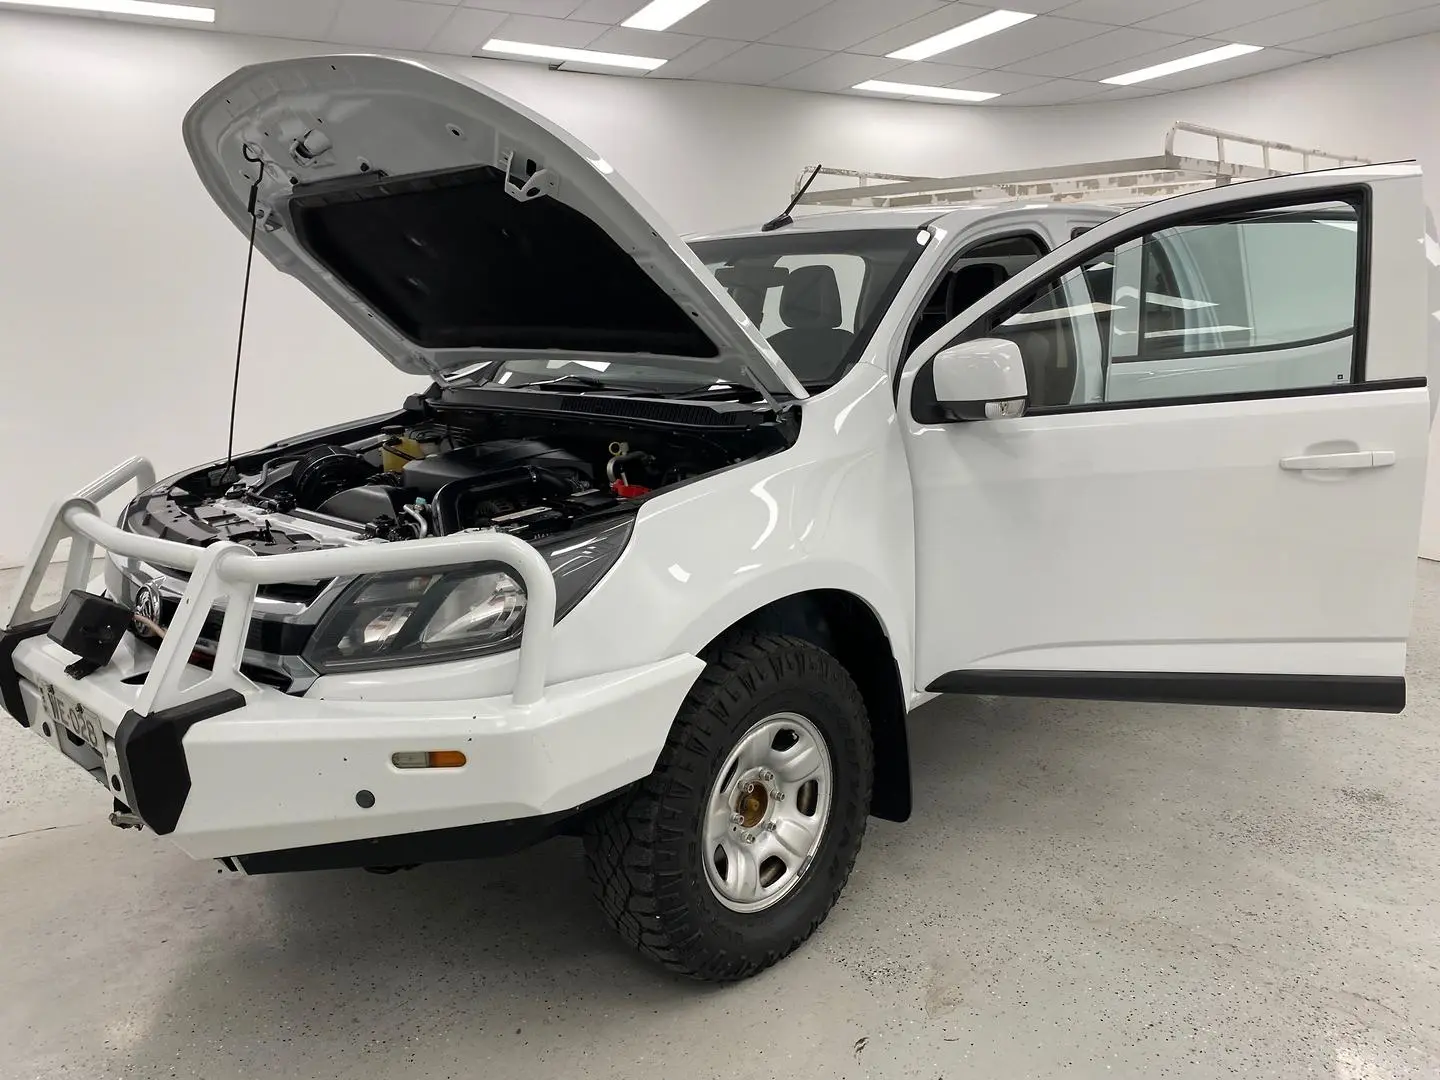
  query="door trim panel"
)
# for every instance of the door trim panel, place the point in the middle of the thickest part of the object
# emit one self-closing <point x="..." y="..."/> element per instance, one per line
<point x="1344" y="693"/>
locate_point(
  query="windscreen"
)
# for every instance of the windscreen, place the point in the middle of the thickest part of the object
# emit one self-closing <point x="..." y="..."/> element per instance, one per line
<point x="815" y="295"/>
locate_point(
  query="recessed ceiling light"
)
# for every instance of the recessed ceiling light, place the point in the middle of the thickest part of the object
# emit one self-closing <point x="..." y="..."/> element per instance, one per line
<point x="905" y="89"/>
<point x="561" y="54"/>
<point x="959" y="35"/>
<point x="142" y="8"/>
<point x="1185" y="63"/>
<point x="662" y="14"/>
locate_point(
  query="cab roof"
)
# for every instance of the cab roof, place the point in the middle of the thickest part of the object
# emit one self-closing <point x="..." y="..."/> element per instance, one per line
<point x="912" y="217"/>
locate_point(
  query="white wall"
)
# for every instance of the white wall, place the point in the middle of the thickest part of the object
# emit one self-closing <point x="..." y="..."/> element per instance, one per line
<point x="120" y="283"/>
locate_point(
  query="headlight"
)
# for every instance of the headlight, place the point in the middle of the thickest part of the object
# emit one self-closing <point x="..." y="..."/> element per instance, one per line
<point x="425" y="616"/>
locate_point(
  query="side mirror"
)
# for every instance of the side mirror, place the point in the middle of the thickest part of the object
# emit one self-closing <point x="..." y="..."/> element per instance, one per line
<point x="981" y="380"/>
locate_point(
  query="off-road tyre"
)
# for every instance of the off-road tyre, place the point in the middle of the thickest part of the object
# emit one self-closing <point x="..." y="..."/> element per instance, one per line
<point x="644" y="850"/>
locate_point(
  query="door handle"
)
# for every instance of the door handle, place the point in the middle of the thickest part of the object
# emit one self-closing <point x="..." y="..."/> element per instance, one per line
<point x="1353" y="459"/>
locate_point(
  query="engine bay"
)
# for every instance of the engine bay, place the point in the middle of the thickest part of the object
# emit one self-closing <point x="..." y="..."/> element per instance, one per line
<point x="435" y="474"/>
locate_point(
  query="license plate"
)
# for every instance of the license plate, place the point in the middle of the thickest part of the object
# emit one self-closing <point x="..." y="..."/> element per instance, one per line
<point x="73" y="717"/>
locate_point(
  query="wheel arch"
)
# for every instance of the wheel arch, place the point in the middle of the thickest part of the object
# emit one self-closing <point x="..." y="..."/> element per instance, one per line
<point x="849" y="629"/>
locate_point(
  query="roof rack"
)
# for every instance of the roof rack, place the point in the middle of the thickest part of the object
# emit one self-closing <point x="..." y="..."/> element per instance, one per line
<point x="1124" y="182"/>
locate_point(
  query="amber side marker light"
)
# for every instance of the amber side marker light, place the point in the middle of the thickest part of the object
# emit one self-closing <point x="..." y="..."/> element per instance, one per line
<point x="427" y="759"/>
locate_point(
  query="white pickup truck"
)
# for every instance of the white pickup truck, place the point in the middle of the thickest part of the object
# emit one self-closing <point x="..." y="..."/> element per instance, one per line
<point x="682" y="530"/>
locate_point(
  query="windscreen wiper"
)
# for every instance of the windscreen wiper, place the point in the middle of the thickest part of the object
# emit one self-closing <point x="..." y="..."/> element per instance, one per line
<point x="576" y="382"/>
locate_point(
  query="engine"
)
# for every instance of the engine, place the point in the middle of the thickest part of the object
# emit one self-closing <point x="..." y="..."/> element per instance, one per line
<point x="523" y="486"/>
<point x="408" y="482"/>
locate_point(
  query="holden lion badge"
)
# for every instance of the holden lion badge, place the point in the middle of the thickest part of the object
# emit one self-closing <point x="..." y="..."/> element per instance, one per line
<point x="148" y="610"/>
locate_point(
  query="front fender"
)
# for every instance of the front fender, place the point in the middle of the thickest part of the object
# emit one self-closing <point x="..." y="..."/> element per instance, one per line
<point x="831" y="512"/>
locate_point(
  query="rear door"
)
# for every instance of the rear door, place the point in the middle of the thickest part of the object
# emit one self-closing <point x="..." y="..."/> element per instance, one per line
<point x="1214" y="492"/>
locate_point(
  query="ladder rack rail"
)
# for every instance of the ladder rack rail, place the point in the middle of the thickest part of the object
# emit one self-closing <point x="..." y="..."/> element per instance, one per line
<point x="1125" y="181"/>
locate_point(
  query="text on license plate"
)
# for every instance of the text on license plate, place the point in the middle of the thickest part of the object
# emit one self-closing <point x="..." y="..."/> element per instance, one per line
<point x="72" y="716"/>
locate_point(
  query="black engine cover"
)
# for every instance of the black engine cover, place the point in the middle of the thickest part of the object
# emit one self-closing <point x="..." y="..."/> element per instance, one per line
<point x="366" y="503"/>
<point x="428" y="476"/>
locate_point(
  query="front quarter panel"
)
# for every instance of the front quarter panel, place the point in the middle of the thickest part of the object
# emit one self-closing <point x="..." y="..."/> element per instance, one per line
<point x="831" y="512"/>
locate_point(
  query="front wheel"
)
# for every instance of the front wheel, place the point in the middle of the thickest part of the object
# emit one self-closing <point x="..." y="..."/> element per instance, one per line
<point x="730" y="854"/>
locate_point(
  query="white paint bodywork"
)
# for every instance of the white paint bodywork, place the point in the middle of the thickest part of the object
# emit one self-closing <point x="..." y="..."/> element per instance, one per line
<point x="1145" y="539"/>
<point x="1171" y="538"/>
<point x="987" y="371"/>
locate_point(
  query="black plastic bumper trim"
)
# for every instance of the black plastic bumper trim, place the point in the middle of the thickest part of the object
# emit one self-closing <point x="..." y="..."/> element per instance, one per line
<point x="152" y="757"/>
<point x="1341" y="693"/>
<point x="10" y="678"/>
<point x="407" y="849"/>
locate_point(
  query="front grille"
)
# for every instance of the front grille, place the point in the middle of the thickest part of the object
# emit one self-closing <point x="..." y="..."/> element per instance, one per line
<point x="266" y="634"/>
<point x="292" y="592"/>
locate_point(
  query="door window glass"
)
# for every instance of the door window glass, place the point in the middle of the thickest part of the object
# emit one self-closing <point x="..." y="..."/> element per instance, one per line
<point x="973" y="274"/>
<point x="1257" y="303"/>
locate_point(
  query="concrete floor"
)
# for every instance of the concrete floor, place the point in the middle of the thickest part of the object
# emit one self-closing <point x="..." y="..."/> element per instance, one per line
<point x="1086" y="890"/>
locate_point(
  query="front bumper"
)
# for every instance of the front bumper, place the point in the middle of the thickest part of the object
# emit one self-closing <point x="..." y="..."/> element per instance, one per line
<point x="227" y="768"/>
<point x="235" y="775"/>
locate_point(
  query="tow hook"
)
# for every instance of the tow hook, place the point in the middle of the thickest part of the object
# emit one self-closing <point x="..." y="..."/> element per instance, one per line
<point x="124" y="819"/>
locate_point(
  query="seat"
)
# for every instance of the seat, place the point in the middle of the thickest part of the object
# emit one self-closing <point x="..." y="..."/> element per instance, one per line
<point x="1047" y="386"/>
<point x="955" y="292"/>
<point x="971" y="284"/>
<point x="813" y="346"/>
<point x="751" y="301"/>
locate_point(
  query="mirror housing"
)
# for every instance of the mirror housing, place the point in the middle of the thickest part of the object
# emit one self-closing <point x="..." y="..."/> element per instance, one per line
<point x="981" y="380"/>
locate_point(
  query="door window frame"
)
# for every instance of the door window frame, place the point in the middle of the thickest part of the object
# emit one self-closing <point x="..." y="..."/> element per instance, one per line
<point x="923" y="408"/>
<point x="945" y="268"/>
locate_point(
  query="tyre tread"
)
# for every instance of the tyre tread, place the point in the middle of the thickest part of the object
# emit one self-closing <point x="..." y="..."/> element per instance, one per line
<point x="643" y="903"/>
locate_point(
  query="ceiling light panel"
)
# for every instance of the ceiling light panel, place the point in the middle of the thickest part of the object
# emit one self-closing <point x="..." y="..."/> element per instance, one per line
<point x="938" y="93"/>
<point x="662" y="14"/>
<point x="963" y="34"/>
<point x="1185" y="63"/>
<point x="140" y="8"/>
<point x="560" y="54"/>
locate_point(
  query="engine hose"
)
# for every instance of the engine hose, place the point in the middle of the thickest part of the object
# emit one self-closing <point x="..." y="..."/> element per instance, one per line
<point x="615" y="467"/>
<point x="414" y="514"/>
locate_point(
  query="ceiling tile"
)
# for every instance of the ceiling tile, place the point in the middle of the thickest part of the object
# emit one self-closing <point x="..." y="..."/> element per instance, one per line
<point x="1117" y="12"/>
<point x="466" y="30"/>
<point x="998" y="82"/>
<point x="550" y="9"/>
<point x="928" y="73"/>
<point x="1321" y="18"/>
<point x="695" y="59"/>
<point x="842" y="23"/>
<point x="745" y="20"/>
<point x="838" y="71"/>
<point x="392" y="24"/>
<point x="758" y="64"/>
<point x="898" y="34"/>
<point x="1119" y="93"/>
<point x="665" y="45"/>
<point x="1110" y="47"/>
<point x="1215" y="17"/>
<point x="566" y="33"/>
<point x="306" y="20"/>
<point x="605" y="11"/>
<point x="1376" y="32"/>
<point x="1053" y="92"/>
